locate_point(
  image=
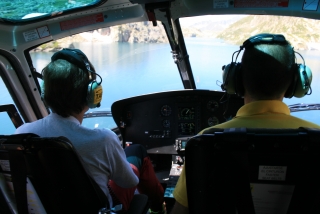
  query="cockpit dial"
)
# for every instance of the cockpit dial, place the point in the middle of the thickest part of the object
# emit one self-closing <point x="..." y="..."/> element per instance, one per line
<point x="166" y="110"/>
<point x="212" y="121"/>
<point x="212" y="105"/>
<point x="186" y="113"/>
<point x="166" y="123"/>
<point x="186" y="128"/>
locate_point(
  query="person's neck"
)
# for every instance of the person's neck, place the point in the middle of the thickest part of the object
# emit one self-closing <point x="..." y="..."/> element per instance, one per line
<point x="79" y="116"/>
<point x="248" y="99"/>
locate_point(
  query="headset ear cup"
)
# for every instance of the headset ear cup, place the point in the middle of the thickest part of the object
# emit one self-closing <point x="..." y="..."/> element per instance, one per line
<point x="228" y="78"/>
<point x="303" y="81"/>
<point x="232" y="80"/>
<point x="94" y="94"/>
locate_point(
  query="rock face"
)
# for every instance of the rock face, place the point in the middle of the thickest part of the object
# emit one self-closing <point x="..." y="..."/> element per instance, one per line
<point x="140" y="32"/>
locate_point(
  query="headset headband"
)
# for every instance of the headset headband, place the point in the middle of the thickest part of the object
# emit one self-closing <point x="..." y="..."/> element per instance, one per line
<point x="74" y="56"/>
<point x="264" y="38"/>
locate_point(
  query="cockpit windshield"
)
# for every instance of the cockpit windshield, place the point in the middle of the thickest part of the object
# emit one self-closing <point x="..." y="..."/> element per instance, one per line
<point x="25" y="10"/>
<point x="211" y="41"/>
<point x="132" y="59"/>
<point x="135" y="58"/>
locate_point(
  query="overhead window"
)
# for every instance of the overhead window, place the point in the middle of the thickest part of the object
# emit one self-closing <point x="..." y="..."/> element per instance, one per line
<point x="20" y="11"/>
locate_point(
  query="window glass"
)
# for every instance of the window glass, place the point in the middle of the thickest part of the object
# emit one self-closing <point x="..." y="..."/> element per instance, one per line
<point x="6" y="125"/>
<point x="132" y="59"/>
<point x="20" y="11"/>
<point x="211" y="41"/>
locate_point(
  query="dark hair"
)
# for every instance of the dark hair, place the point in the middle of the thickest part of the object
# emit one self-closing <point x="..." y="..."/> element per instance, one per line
<point x="65" y="87"/>
<point x="267" y="70"/>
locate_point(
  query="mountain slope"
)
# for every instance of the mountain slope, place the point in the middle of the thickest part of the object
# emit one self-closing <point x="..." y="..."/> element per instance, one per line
<point x="302" y="33"/>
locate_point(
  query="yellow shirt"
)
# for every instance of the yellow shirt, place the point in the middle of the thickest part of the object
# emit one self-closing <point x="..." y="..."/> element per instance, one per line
<point x="259" y="114"/>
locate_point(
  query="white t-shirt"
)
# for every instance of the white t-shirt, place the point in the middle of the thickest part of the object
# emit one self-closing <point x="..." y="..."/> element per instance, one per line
<point x="100" y="149"/>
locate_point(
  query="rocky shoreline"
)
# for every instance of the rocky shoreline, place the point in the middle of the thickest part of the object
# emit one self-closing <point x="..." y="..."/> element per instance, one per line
<point x="140" y="32"/>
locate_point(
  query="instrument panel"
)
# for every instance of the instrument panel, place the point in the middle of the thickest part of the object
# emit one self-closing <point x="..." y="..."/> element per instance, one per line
<point x="156" y="120"/>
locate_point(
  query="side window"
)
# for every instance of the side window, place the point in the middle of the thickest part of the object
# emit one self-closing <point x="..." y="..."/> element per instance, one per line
<point x="6" y="125"/>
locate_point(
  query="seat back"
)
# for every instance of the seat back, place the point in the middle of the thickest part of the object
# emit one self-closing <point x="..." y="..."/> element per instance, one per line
<point x="254" y="171"/>
<point x="55" y="171"/>
<point x="7" y="200"/>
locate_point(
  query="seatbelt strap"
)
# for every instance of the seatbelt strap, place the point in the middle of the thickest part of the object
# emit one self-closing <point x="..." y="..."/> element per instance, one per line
<point x="19" y="179"/>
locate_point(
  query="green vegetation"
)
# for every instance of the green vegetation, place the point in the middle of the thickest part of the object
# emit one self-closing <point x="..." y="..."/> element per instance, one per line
<point x="299" y="31"/>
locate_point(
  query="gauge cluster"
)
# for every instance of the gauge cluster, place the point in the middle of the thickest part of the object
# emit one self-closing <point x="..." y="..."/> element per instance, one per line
<point x="156" y="120"/>
<point x="186" y="128"/>
<point x="186" y="113"/>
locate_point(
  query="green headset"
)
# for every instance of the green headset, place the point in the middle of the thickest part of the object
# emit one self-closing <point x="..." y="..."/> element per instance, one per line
<point x="231" y="75"/>
<point x="79" y="59"/>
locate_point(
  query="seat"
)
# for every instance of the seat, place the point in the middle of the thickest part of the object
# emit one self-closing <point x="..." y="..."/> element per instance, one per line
<point x="13" y="114"/>
<point x="55" y="171"/>
<point x="4" y="206"/>
<point x="269" y="171"/>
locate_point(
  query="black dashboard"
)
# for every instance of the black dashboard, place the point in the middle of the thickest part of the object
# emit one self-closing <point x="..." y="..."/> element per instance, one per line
<point x="157" y="120"/>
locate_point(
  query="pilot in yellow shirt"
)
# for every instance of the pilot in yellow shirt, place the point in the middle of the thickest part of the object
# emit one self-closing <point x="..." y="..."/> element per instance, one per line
<point x="258" y="114"/>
